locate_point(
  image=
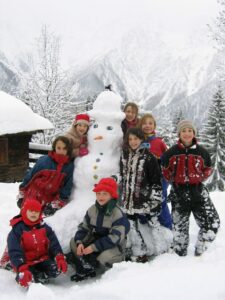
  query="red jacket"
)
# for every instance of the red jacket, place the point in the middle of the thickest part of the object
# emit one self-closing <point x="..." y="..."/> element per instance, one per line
<point x="156" y="146"/>
<point x="186" y="165"/>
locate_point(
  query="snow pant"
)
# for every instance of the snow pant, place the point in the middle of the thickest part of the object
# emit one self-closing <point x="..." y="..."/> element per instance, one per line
<point x="146" y="237"/>
<point x="48" y="267"/>
<point x="165" y="218"/>
<point x="105" y="258"/>
<point x="193" y="198"/>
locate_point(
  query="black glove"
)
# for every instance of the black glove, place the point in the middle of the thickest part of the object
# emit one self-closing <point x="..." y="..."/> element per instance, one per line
<point x="49" y="210"/>
<point x="20" y="198"/>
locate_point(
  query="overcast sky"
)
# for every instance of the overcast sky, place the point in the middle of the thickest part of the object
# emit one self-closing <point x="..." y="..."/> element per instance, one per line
<point x="80" y="22"/>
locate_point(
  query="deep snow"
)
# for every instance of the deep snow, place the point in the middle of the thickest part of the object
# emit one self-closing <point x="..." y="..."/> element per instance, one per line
<point x="166" y="277"/>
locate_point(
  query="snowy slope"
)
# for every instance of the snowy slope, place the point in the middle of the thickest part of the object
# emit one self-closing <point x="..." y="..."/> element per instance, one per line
<point x="167" y="277"/>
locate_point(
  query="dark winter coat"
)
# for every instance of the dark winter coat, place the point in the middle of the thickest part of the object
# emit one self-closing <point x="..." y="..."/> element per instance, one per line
<point x="186" y="165"/>
<point x="140" y="182"/>
<point x="31" y="244"/>
<point x="125" y="125"/>
<point x="103" y="231"/>
<point x="50" y="179"/>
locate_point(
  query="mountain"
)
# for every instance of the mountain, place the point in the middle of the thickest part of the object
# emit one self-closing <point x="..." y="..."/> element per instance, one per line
<point x="9" y="80"/>
<point x="160" y="71"/>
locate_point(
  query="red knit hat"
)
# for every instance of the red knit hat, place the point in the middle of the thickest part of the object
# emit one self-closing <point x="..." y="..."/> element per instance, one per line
<point x="33" y="205"/>
<point x="81" y="118"/>
<point x="108" y="185"/>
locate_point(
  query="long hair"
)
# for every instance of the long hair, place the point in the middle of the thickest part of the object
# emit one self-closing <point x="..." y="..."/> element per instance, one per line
<point x="134" y="131"/>
<point x="66" y="141"/>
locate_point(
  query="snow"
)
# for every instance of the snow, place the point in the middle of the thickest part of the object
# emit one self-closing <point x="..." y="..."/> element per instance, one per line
<point x="168" y="276"/>
<point x="16" y="116"/>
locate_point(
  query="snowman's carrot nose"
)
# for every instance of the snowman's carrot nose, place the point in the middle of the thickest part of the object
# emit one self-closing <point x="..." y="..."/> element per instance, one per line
<point x="99" y="137"/>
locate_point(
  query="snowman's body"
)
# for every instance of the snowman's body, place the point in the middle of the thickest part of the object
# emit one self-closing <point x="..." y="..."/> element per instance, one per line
<point x="104" y="144"/>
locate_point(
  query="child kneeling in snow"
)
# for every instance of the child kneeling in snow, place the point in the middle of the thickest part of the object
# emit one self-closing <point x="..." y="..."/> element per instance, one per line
<point x="34" y="250"/>
<point x="51" y="179"/>
<point x="101" y="237"/>
<point x="142" y="199"/>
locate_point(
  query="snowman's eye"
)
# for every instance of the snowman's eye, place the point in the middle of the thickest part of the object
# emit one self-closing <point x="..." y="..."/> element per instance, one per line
<point x="109" y="128"/>
<point x="95" y="125"/>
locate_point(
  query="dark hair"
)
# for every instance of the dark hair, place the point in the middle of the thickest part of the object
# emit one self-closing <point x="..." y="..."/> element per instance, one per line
<point x="133" y="105"/>
<point x="134" y="131"/>
<point x="66" y="141"/>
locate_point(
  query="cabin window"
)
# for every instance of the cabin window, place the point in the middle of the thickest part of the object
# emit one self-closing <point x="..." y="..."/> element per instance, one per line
<point x="3" y="151"/>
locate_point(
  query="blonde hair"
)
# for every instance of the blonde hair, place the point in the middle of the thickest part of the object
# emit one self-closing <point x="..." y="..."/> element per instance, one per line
<point x="144" y="118"/>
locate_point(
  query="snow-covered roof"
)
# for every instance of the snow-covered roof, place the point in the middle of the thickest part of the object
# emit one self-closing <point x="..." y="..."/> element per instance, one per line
<point x="16" y="116"/>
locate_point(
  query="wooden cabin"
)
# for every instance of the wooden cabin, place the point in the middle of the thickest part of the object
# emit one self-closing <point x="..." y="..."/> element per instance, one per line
<point x="17" y="124"/>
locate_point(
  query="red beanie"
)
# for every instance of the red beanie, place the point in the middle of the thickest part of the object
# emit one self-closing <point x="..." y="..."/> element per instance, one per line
<point x="108" y="185"/>
<point x="33" y="205"/>
<point x="82" y="118"/>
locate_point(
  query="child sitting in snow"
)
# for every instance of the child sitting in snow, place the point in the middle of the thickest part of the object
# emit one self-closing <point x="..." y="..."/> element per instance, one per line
<point x="186" y="165"/>
<point x="131" y="119"/>
<point x="157" y="147"/>
<point x="100" y="239"/>
<point x="77" y="135"/>
<point x="142" y="199"/>
<point x="34" y="250"/>
<point x="51" y="179"/>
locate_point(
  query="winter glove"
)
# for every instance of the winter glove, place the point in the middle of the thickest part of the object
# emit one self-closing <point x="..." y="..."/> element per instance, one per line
<point x="24" y="276"/>
<point x="61" y="263"/>
<point x="83" y="151"/>
<point x="19" y="198"/>
<point x="52" y="207"/>
<point x="143" y="219"/>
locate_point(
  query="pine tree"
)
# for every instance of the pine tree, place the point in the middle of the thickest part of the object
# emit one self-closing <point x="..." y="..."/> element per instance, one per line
<point x="213" y="138"/>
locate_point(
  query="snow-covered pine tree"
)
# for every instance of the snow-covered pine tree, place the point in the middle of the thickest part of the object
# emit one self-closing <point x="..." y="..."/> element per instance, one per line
<point x="45" y="87"/>
<point x="213" y="138"/>
<point x="176" y="118"/>
<point x="165" y="129"/>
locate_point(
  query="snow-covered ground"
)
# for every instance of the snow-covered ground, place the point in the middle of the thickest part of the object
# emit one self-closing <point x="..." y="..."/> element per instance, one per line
<point x="166" y="277"/>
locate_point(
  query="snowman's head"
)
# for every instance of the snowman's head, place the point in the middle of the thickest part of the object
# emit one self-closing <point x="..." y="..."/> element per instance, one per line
<point x="105" y="134"/>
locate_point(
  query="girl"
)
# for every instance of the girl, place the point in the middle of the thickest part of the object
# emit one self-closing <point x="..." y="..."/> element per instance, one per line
<point x="186" y="165"/>
<point x="141" y="199"/>
<point x="131" y="120"/>
<point x="77" y="135"/>
<point x="157" y="147"/>
<point x="50" y="180"/>
<point x="34" y="250"/>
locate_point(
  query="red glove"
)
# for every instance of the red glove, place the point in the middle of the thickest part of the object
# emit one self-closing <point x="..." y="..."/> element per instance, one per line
<point x="61" y="263"/>
<point x="83" y="151"/>
<point x="25" y="276"/>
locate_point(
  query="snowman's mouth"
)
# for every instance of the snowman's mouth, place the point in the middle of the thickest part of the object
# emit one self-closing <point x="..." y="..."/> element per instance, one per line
<point x="99" y="137"/>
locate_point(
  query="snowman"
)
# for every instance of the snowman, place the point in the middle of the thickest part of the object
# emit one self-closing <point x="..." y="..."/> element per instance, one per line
<point x="104" y="144"/>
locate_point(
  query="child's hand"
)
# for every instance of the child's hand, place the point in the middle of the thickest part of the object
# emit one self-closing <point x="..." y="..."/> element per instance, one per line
<point x="83" y="151"/>
<point x="61" y="263"/>
<point x="24" y="276"/>
<point x="80" y="249"/>
<point x="88" y="250"/>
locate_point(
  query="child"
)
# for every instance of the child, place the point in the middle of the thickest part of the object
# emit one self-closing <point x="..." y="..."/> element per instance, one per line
<point x="50" y="180"/>
<point x="156" y="147"/>
<point x="186" y="165"/>
<point x="142" y="198"/>
<point x="77" y="135"/>
<point x="34" y="250"/>
<point x="100" y="239"/>
<point x="131" y="120"/>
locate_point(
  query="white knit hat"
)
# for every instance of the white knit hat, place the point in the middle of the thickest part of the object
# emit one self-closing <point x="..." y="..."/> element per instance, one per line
<point x="186" y="124"/>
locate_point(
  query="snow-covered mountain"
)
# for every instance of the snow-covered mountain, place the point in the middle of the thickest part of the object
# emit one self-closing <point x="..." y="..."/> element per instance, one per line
<point x="158" y="70"/>
<point x="9" y="79"/>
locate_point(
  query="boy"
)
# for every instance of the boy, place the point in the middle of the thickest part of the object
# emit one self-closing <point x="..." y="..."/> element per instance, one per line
<point x="186" y="165"/>
<point x="34" y="250"/>
<point x="100" y="239"/>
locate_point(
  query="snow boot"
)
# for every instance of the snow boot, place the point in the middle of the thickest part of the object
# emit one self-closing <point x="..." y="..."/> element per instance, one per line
<point x="40" y="277"/>
<point x="84" y="270"/>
